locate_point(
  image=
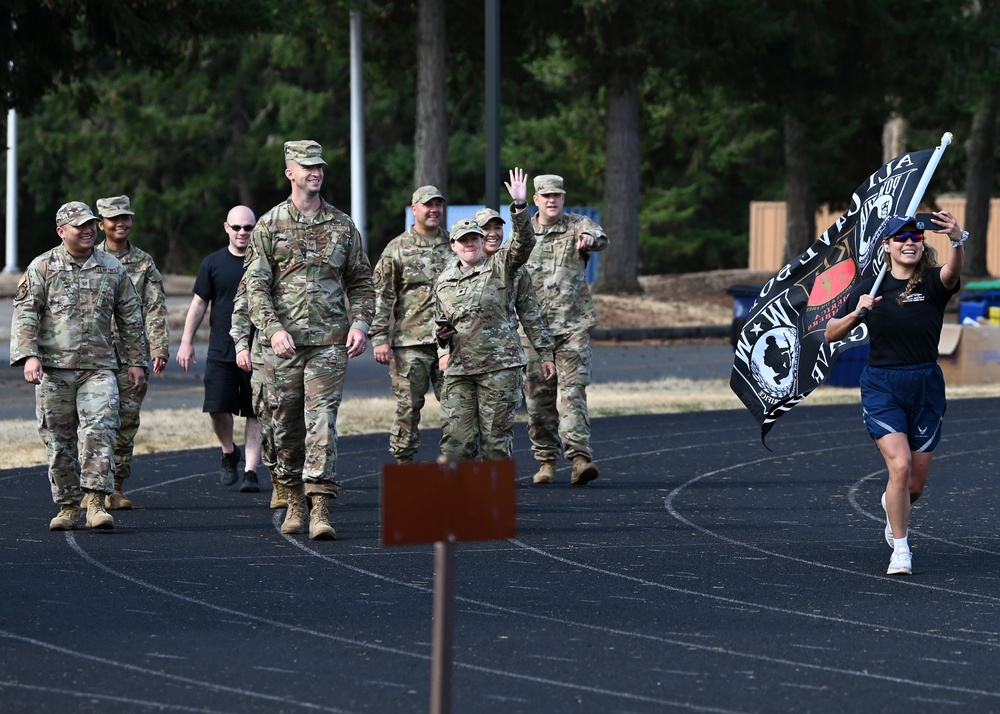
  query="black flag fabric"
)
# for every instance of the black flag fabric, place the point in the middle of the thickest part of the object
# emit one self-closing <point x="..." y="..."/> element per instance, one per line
<point x="781" y="355"/>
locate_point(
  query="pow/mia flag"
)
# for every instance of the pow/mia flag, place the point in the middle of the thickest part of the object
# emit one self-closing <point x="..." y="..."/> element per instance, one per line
<point x="781" y="355"/>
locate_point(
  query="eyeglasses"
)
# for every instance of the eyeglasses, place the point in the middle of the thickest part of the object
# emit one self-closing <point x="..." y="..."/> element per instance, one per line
<point x="467" y="239"/>
<point x="237" y="229"/>
<point x="909" y="235"/>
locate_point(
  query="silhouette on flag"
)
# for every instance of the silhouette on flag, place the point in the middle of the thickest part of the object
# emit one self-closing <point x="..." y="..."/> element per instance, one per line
<point x="781" y="355"/>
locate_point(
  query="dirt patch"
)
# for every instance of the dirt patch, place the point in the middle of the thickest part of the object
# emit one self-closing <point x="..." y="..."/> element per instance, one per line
<point x="677" y="300"/>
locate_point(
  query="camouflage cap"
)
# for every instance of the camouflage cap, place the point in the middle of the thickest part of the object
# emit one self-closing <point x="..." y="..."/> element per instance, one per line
<point x="74" y="213"/>
<point x="426" y="194"/>
<point x="549" y="183"/>
<point x="304" y="153"/>
<point x="485" y="215"/>
<point x="114" y="206"/>
<point x="464" y="227"/>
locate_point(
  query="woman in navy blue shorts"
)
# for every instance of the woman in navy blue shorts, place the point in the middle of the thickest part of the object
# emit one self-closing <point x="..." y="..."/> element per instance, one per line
<point x="902" y="388"/>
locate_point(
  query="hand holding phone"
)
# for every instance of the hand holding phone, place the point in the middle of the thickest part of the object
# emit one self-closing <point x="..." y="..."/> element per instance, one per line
<point x="923" y="222"/>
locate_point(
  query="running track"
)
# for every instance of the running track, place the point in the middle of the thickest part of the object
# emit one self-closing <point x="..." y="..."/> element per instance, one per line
<point x="700" y="573"/>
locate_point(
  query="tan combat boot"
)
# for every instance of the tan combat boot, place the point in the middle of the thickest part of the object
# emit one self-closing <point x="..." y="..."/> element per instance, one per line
<point x="295" y="516"/>
<point x="97" y="516"/>
<point x="546" y="472"/>
<point x="118" y="501"/>
<point x="66" y="520"/>
<point x="278" y="499"/>
<point x="319" y="519"/>
<point x="584" y="470"/>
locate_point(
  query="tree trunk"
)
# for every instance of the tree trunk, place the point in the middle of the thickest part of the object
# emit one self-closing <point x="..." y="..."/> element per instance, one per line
<point x="800" y="206"/>
<point x="618" y="269"/>
<point x="893" y="137"/>
<point x="978" y="187"/>
<point x="430" y="142"/>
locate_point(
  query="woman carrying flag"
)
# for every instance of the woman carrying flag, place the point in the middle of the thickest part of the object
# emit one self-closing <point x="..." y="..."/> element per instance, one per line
<point x="902" y="388"/>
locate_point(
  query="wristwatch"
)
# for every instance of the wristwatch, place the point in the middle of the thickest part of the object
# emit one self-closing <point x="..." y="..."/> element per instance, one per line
<point x="958" y="243"/>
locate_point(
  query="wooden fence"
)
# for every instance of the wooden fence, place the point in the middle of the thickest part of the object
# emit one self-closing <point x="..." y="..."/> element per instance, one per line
<point x="767" y="232"/>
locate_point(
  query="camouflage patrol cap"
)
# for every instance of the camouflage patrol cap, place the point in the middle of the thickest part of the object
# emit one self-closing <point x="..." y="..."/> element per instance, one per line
<point x="464" y="227"/>
<point x="114" y="206"/>
<point x="304" y="152"/>
<point x="426" y="194"/>
<point x="549" y="183"/>
<point x="485" y="215"/>
<point x="74" y="213"/>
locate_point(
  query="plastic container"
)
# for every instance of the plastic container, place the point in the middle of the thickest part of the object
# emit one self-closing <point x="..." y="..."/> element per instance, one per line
<point x="744" y="297"/>
<point x="975" y="304"/>
<point x="847" y="369"/>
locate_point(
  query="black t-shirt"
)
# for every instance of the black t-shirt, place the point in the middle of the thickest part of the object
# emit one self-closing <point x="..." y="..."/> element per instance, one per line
<point x="904" y="334"/>
<point x="217" y="281"/>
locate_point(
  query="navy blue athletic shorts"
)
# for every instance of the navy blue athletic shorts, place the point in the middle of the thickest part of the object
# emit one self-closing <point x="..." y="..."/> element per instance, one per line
<point x="908" y="400"/>
<point x="227" y="389"/>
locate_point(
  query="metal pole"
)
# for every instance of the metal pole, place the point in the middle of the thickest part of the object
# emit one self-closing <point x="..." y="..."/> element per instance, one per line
<point x="359" y="196"/>
<point x="444" y="624"/>
<point x="493" y="104"/>
<point x="11" y="266"/>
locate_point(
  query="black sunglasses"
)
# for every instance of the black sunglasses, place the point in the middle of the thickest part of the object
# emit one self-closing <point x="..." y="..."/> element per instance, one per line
<point x="237" y="229"/>
<point x="908" y="235"/>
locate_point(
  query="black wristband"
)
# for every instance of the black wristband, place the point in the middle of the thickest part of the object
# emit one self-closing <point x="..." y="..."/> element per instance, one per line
<point x="521" y="206"/>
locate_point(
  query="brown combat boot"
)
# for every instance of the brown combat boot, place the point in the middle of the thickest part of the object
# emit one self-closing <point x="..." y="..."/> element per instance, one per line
<point x="295" y="516"/>
<point x="319" y="519"/>
<point x="97" y="516"/>
<point x="546" y="472"/>
<point x="584" y="470"/>
<point x="118" y="501"/>
<point x="66" y="520"/>
<point x="278" y="499"/>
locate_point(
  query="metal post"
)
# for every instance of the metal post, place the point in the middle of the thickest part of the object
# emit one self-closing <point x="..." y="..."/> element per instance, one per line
<point x="11" y="266"/>
<point x="493" y="104"/>
<point x="359" y="196"/>
<point x="444" y="623"/>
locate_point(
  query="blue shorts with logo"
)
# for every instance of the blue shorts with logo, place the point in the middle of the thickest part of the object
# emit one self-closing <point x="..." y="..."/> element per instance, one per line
<point x="908" y="400"/>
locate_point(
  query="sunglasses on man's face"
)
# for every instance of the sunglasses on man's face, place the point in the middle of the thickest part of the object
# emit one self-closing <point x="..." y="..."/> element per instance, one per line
<point x="237" y="229"/>
<point x="909" y="235"/>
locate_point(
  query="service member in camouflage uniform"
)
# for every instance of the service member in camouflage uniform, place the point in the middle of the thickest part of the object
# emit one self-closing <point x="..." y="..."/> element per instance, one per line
<point x="304" y="266"/>
<point x="563" y="244"/>
<point x="523" y="301"/>
<point x="403" y="330"/>
<point x="116" y="218"/>
<point x="66" y="306"/>
<point x="250" y="358"/>
<point x="484" y="353"/>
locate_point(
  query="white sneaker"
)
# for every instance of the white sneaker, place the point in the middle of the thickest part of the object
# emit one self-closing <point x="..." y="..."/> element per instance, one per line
<point x="888" y="526"/>
<point x="901" y="563"/>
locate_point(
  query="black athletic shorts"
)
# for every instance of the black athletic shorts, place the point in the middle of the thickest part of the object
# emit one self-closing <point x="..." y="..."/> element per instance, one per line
<point x="227" y="389"/>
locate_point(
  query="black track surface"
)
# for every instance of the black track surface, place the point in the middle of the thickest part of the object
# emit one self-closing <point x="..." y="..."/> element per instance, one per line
<point x="701" y="572"/>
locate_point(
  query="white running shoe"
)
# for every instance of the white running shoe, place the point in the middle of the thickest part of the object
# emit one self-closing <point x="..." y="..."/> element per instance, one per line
<point x="888" y="526"/>
<point x="901" y="563"/>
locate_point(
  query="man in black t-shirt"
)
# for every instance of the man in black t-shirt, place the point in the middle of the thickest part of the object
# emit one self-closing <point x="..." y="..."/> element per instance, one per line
<point x="227" y="387"/>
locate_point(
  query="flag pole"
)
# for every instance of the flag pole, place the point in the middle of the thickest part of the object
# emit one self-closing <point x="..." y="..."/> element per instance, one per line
<point x="918" y="195"/>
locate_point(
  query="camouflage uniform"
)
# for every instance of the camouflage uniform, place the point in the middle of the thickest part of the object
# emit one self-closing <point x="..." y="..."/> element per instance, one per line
<point x="483" y="378"/>
<point x="246" y="338"/>
<point x="63" y="315"/>
<point x="404" y="290"/>
<point x="557" y="273"/>
<point x="299" y="270"/>
<point x="148" y="285"/>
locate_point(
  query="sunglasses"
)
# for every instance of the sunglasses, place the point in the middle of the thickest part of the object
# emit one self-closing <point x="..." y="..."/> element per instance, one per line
<point x="237" y="229"/>
<point x="909" y="235"/>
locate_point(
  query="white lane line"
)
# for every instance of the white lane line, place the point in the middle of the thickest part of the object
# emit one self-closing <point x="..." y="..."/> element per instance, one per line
<point x="110" y="698"/>
<point x="241" y="616"/>
<point x="163" y="675"/>
<point x="907" y="582"/>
